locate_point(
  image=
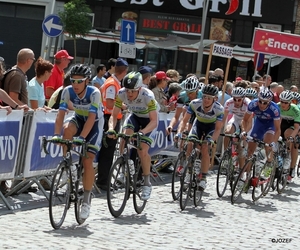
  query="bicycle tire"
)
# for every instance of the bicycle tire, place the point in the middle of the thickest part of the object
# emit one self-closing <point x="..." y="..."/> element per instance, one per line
<point x="258" y="184"/>
<point x="298" y="169"/>
<point x="186" y="184"/>
<point x="237" y="187"/>
<point x="271" y="178"/>
<point x="59" y="199"/>
<point x="223" y="179"/>
<point x="176" y="186"/>
<point x="118" y="187"/>
<point x="198" y="193"/>
<point x="138" y="203"/>
<point x="79" y="198"/>
<point x="281" y="181"/>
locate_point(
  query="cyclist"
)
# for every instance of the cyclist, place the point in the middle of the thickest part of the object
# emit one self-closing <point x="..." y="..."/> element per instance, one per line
<point x="191" y="91"/>
<point x="208" y="124"/>
<point x="290" y="119"/>
<point x="143" y="119"/>
<point x="251" y="93"/>
<point x="237" y="105"/>
<point x="86" y="124"/>
<point x="266" y="124"/>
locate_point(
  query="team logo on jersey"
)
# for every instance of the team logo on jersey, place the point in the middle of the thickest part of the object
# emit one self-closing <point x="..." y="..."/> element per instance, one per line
<point x="138" y="101"/>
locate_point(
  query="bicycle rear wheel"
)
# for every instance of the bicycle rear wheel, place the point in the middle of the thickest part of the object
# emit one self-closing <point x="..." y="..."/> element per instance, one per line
<point x="281" y="181"/>
<point x="118" y="187"/>
<point x="59" y="200"/>
<point x="186" y="184"/>
<point x="224" y="173"/>
<point x="242" y="182"/>
<point x="177" y="173"/>
<point x="270" y="175"/>
<point x="138" y="203"/>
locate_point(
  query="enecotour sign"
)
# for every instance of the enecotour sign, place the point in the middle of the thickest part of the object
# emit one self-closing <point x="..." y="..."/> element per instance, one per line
<point x="276" y="43"/>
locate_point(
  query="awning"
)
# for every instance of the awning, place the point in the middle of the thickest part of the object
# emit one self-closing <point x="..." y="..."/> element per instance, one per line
<point x="173" y="42"/>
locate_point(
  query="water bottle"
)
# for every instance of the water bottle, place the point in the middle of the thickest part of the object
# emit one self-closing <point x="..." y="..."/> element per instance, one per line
<point x="74" y="172"/>
<point x="131" y="167"/>
<point x="280" y="162"/>
<point x="197" y="167"/>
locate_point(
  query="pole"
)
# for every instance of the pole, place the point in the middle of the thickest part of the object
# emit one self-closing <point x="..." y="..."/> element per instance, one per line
<point x="200" y="49"/>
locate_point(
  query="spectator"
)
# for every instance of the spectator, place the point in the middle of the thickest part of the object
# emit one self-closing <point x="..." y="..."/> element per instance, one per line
<point x="109" y="91"/>
<point x="56" y="96"/>
<point x="294" y="88"/>
<point x="258" y="79"/>
<point x="146" y="72"/>
<point x="273" y="88"/>
<point x="99" y="80"/>
<point x="227" y="94"/>
<point x="280" y="89"/>
<point x="110" y="68"/>
<point x="15" y="84"/>
<point x="255" y="86"/>
<point x="61" y="62"/>
<point x="157" y="84"/>
<point x="36" y="95"/>
<point x="173" y="75"/>
<point x="174" y="92"/>
<point x="267" y="79"/>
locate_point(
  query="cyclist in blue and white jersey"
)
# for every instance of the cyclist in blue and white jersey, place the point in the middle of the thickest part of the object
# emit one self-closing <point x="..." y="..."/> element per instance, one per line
<point x="143" y="119"/>
<point x="191" y="91"/>
<point x="267" y="123"/>
<point x="207" y="125"/>
<point x="86" y="124"/>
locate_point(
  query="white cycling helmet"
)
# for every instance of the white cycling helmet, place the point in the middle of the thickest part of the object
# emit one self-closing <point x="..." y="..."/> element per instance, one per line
<point x="251" y="93"/>
<point x="296" y="96"/>
<point x="265" y="95"/>
<point x="286" y="95"/>
<point x="191" y="84"/>
<point x="238" y="92"/>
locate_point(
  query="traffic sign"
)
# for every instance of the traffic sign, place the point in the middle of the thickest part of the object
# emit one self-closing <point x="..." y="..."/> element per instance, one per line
<point x="52" y="26"/>
<point x="127" y="32"/>
<point x="127" y="50"/>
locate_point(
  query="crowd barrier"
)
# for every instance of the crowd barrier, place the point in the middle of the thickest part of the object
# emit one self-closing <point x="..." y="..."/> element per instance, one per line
<point x="22" y="158"/>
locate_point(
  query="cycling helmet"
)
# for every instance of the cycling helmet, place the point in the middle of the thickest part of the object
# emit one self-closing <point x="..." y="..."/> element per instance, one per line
<point x="174" y="87"/>
<point x="266" y="95"/>
<point x="81" y="70"/>
<point x="296" y="96"/>
<point x="201" y="85"/>
<point x="133" y="80"/>
<point x="238" y="92"/>
<point x="286" y="95"/>
<point x="191" y="84"/>
<point x="251" y="93"/>
<point x="210" y="89"/>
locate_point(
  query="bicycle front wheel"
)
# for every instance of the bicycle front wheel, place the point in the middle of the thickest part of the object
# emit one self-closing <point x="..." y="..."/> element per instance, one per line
<point x="186" y="184"/>
<point x="118" y="187"/>
<point x="79" y="198"/>
<point x="138" y="203"/>
<point x="269" y="174"/>
<point x="59" y="200"/>
<point x="281" y="181"/>
<point x="224" y="172"/>
<point x="242" y="183"/>
<point x="177" y="173"/>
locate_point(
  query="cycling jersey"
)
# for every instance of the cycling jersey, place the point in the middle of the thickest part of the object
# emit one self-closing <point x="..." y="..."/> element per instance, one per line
<point x="141" y="106"/>
<point x="270" y="114"/>
<point x="238" y="113"/>
<point x="290" y="116"/>
<point x="216" y="112"/>
<point x="89" y="103"/>
<point x="185" y="100"/>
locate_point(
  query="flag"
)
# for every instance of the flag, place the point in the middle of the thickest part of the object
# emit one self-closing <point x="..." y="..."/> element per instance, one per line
<point x="259" y="61"/>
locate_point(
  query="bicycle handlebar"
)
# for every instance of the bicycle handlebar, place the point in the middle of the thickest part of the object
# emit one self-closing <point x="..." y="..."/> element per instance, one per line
<point x="126" y="137"/>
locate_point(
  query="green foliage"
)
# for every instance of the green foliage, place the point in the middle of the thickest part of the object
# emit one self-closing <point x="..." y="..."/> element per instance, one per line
<point x="75" y="18"/>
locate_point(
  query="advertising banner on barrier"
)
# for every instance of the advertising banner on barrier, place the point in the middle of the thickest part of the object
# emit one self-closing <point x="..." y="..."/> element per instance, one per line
<point x="37" y="162"/>
<point x="10" y="133"/>
<point x="163" y="142"/>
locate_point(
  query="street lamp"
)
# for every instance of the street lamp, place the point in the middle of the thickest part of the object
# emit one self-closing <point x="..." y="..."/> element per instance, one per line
<point x="201" y="46"/>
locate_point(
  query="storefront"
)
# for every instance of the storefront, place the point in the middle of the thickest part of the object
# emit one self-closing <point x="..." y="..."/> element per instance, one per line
<point x="158" y="19"/>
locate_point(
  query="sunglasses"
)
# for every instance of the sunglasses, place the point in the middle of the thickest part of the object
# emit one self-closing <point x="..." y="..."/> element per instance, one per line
<point x="237" y="99"/>
<point x="72" y="80"/>
<point x="209" y="97"/>
<point x="131" y="91"/>
<point x="284" y="102"/>
<point x="263" y="103"/>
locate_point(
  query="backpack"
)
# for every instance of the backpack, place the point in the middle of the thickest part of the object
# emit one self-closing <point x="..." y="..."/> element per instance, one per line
<point x="4" y="77"/>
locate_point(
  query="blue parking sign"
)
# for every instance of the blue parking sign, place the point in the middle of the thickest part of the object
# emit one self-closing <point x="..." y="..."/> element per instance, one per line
<point x="127" y="32"/>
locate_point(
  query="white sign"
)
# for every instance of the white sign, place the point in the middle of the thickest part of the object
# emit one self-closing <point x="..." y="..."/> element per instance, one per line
<point x="222" y="51"/>
<point x="127" y="50"/>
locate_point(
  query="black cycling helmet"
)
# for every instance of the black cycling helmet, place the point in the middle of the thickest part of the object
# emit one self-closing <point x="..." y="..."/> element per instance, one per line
<point x="81" y="70"/>
<point x="133" y="80"/>
<point x="210" y="89"/>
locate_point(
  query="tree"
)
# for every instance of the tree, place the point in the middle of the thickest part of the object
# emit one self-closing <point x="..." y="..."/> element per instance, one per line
<point x="76" y="19"/>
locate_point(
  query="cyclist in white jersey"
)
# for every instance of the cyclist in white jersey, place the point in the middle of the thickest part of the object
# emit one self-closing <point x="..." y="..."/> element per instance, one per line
<point x="237" y="106"/>
<point x="143" y="119"/>
<point x="86" y="124"/>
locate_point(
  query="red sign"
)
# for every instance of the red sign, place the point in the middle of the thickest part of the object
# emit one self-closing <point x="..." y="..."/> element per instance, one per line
<point x="276" y="43"/>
